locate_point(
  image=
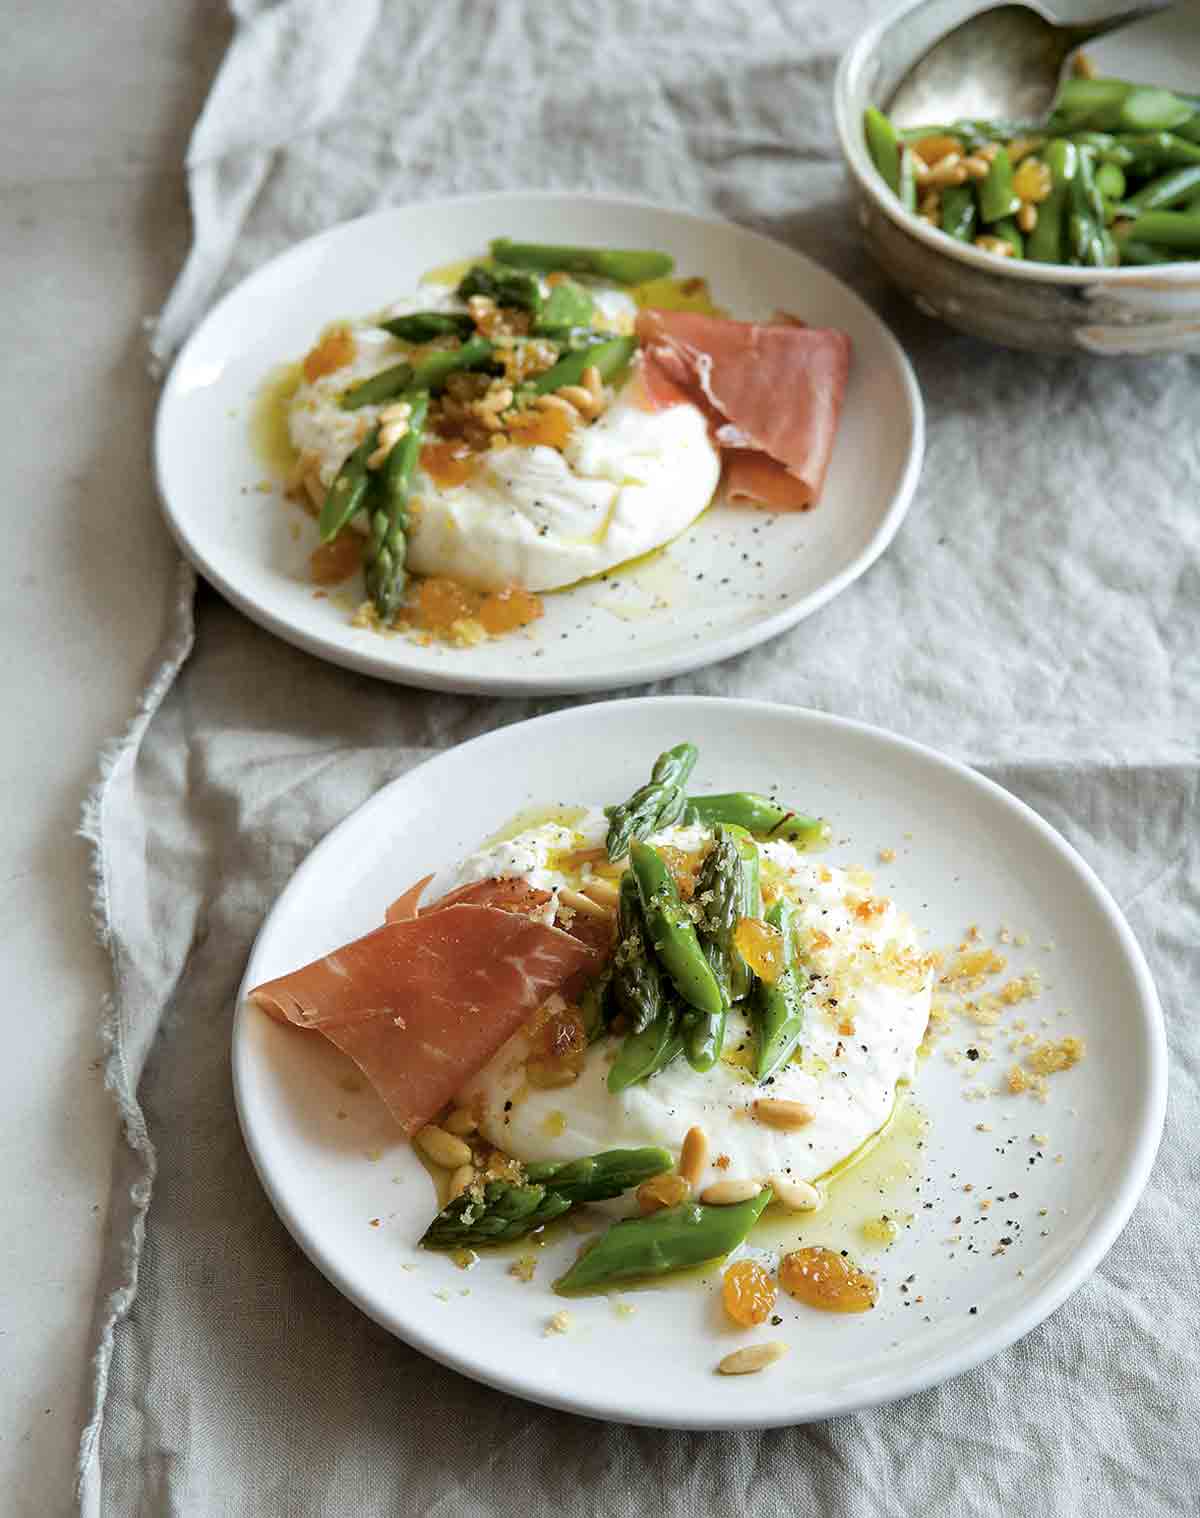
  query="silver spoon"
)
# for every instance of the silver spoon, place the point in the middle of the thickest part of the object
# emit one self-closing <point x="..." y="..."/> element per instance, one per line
<point x="1003" y="64"/>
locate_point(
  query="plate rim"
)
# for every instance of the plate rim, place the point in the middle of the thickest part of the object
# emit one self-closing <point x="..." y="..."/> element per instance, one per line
<point x="667" y="665"/>
<point x="1028" y="1315"/>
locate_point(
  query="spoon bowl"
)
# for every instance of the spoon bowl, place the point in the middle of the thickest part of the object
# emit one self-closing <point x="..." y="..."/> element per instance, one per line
<point x="1003" y="64"/>
<point x="1053" y="308"/>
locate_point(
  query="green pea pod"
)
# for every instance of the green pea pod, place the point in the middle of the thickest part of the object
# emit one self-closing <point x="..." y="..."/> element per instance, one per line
<point x="380" y="388"/>
<point x="1174" y="188"/>
<point x="1011" y="233"/>
<point x="1168" y="229"/>
<point x="779" y="1007"/>
<point x="960" y="212"/>
<point x="1160" y="150"/>
<point x="1047" y="240"/>
<point x="671" y="933"/>
<point x="672" y="1239"/>
<point x="749" y="904"/>
<point x="642" y="1054"/>
<point x="997" y="198"/>
<point x="908" y="179"/>
<point x="1107" y="148"/>
<point x="568" y="305"/>
<point x="426" y="326"/>
<point x="1110" y="181"/>
<point x="1149" y="109"/>
<point x="348" y="493"/>
<point x="609" y="357"/>
<point x="626" y="266"/>
<point x="884" y="147"/>
<point x="762" y="817"/>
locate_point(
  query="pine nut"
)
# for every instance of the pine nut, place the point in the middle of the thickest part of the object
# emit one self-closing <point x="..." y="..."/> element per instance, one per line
<point x="693" y="1156"/>
<point x="461" y="1122"/>
<point x="1082" y="67"/>
<point x="602" y="891"/>
<point x="583" y="400"/>
<point x="796" y="1196"/>
<point x="996" y="245"/>
<point x="988" y="151"/>
<point x="744" y="1362"/>
<point x="592" y="382"/>
<point x="581" y="903"/>
<point x="729" y="1193"/>
<point x="1027" y="216"/>
<point x="976" y="167"/>
<point x="556" y="403"/>
<point x="779" y="1114"/>
<point x="662" y="1191"/>
<point x="398" y="411"/>
<point x="442" y="1147"/>
<point x="946" y="171"/>
<point x="463" y="1177"/>
<point x="931" y="206"/>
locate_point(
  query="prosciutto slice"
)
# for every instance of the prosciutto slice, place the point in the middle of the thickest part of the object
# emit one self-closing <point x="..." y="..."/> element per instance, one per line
<point x="772" y="392"/>
<point x="424" y="1002"/>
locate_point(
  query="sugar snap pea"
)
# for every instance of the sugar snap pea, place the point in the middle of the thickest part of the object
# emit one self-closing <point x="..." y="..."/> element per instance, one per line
<point x="348" y="493"/>
<point x="960" y="212"/>
<point x="1110" y="181"/>
<point x="997" y="198"/>
<point x="671" y="933"/>
<point x="1168" y="229"/>
<point x="1168" y="191"/>
<point x="762" y="817"/>
<point x="883" y="143"/>
<point x="642" y="1054"/>
<point x="625" y="266"/>
<point x="665" y="1241"/>
<point x="1046" y="243"/>
<point x="779" y="1005"/>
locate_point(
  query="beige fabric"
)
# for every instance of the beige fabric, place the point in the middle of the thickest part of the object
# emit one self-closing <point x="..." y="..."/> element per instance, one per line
<point x="1037" y="615"/>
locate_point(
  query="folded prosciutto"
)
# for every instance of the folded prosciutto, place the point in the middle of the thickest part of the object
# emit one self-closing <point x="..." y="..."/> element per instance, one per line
<point x="424" y="1002"/>
<point x="772" y="392"/>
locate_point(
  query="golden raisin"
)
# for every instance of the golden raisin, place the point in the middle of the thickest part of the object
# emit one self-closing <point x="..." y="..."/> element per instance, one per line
<point x="933" y="149"/>
<point x="747" y="1293"/>
<point x="826" y="1280"/>
<point x="334" y="351"/>
<point x="761" y="946"/>
<point x="441" y="602"/>
<point x="506" y="610"/>
<point x="448" y="464"/>
<point x="1032" y="181"/>
<point x="548" y="428"/>
<point x="333" y="562"/>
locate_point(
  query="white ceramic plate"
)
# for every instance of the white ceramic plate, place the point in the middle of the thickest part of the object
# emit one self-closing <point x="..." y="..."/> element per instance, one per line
<point x="739" y="576"/>
<point x="966" y="851"/>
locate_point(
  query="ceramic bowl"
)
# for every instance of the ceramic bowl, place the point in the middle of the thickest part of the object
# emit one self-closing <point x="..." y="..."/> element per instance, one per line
<point x="1050" y="308"/>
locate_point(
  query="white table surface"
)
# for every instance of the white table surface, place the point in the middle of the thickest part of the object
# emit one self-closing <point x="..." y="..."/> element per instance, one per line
<point x="94" y="120"/>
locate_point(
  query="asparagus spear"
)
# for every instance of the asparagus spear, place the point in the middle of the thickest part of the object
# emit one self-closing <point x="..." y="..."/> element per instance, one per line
<point x="658" y="804"/>
<point x="430" y="374"/>
<point x="609" y="357"/>
<point x="718" y="893"/>
<point x="761" y="816"/>
<point x="665" y="1241"/>
<point x="637" y="979"/>
<point x="1169" y="190"/>
<point x="625" y="266"/>
<point x="780" y="1006"/>
<point x="507" y="287"/>
<point x="670" y="930"/>
<point x="383" y="557"/>
<point x="496" y="1212"/>
<point x="425" y="326"/>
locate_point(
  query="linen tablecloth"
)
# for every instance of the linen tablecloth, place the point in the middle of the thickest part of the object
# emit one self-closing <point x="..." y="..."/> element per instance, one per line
<point x="1038" y="616"/>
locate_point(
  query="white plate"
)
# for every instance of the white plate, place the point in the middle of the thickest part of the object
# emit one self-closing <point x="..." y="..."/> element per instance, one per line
<point x="965" y="851"/>
<point x="738" y="576"/>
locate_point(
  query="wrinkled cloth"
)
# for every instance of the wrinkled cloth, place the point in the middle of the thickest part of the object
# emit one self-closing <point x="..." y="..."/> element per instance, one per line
<point x="1038" y="615"/>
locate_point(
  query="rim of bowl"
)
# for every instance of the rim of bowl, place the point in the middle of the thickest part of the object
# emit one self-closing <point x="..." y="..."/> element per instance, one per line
<point x="867" y="176"/>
